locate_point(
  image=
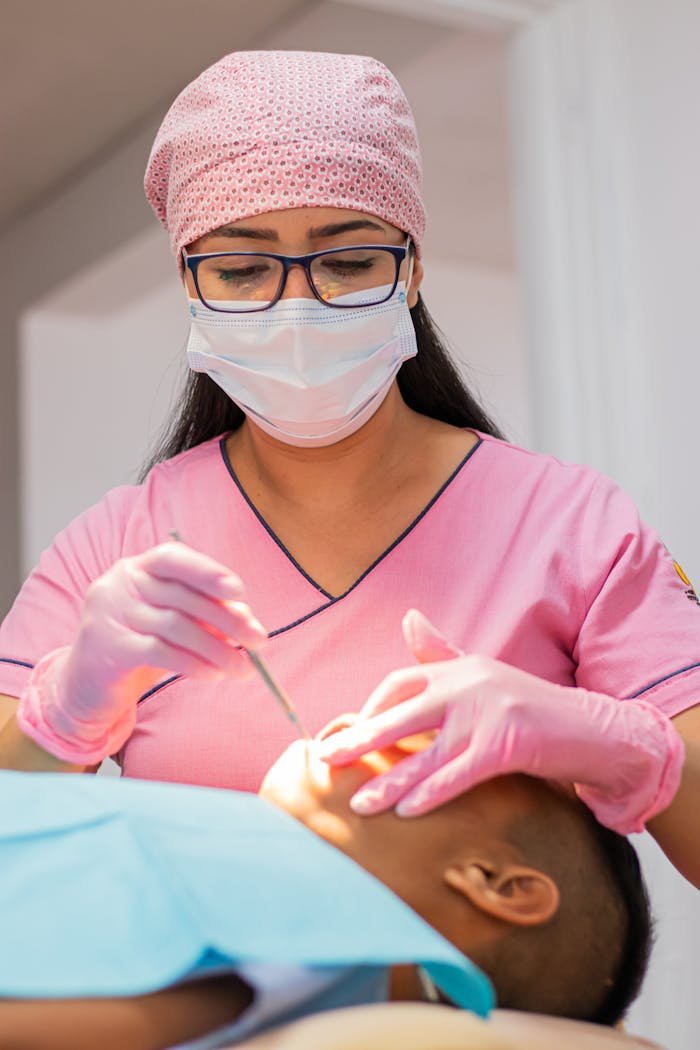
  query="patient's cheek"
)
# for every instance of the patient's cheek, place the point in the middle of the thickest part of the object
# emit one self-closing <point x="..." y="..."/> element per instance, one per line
<point x="300" y="783"/>
<point x="297" y="775"/>
<point x="281" y="774"/>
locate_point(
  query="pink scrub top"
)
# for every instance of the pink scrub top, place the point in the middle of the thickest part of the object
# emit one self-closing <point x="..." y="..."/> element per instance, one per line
<point x="519" y="556"/>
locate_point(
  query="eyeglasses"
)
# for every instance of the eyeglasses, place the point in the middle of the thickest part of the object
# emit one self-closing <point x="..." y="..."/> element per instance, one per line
<point x="246" y="282"/>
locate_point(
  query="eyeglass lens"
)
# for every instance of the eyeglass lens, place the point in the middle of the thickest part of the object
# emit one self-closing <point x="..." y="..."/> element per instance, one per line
<point x="366" y="275"/>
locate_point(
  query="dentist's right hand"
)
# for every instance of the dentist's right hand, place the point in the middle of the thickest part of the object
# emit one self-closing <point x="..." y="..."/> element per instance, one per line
<point x="170" y="609"/>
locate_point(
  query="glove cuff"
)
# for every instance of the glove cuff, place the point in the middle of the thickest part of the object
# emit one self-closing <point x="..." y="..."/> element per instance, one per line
<point x="42" y="716"/>
<point x="649" y="769"/>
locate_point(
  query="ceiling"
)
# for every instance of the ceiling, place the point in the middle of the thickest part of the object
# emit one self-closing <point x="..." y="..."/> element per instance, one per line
<point x="79" y="78"/>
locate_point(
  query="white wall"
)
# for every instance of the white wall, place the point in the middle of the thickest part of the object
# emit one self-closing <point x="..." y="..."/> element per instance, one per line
<point x="657" y="51"/>
<point x="478" y="309"/>
<point x="100" y="361"/>
<point x="86" y="219"/>
<point x="605" y="110"/>
<point x="607" y="158"/>
<point x="659" y="74"/>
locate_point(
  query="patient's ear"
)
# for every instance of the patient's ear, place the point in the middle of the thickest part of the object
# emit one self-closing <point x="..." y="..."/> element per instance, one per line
<point x="510" y="892"/>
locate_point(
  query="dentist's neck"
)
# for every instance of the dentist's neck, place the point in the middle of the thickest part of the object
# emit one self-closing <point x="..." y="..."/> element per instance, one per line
<point x="360" y="464"/>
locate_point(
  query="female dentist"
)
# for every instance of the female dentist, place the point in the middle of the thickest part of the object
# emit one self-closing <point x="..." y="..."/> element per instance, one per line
<point x="327" y="454"/>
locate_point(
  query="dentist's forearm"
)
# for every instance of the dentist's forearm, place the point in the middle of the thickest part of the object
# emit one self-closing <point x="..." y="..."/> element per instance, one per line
<point x="677" y="829"/>
<point x="19" y="752"/>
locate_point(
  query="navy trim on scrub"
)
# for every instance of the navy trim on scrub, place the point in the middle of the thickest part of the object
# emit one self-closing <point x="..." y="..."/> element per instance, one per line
<point x="332" y="599"/>
<point x="158" y="686"/>
<point x="268" y="530"/>
<point x="281" y="630"/>
<point x="673" y="674"/>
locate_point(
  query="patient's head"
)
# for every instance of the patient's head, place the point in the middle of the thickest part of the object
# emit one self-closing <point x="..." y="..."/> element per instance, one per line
<point x="516" y="873"/>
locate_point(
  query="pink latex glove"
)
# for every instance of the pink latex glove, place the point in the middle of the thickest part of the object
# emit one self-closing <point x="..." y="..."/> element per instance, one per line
<point x="171" y="609"/>
<point x="624" y="757"/>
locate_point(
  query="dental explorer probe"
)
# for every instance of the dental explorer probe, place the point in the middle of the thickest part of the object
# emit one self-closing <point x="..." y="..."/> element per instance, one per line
<point x="268" y="678"/>
<point x="278" y="692"/>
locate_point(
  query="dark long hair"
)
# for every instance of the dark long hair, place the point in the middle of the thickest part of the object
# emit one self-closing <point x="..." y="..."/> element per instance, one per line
<point x="429" y="384"/>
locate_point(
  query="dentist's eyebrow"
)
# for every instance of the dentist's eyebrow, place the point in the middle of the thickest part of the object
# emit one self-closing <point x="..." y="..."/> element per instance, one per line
<point x="329" y="230"/>
<point x="332" y="229"/>
<point x="256" y="233"/>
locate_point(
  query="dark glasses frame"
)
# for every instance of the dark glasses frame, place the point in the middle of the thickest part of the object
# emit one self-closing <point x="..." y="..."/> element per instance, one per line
<point x="193" y="262"/>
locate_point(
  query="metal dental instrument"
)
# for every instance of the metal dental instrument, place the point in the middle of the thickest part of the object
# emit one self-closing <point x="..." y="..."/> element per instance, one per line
<point x="278" y="692"/>
<point x="268" y="678"/>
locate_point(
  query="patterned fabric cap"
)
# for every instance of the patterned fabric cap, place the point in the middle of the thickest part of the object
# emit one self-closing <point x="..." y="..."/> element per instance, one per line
<point x="268" y="130"/>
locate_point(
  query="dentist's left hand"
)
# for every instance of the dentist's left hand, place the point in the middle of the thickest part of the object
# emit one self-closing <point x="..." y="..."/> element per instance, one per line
<point x="624" y="757"/>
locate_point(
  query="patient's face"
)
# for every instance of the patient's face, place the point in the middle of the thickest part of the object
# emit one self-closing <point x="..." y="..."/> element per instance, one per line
<point x="408" y="855"/>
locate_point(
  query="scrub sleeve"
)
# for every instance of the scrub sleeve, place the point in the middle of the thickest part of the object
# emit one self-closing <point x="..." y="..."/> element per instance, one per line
<point x="518" y="556"/>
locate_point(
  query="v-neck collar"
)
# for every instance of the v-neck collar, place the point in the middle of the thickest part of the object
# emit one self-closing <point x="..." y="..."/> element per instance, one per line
<point x="334" y="598"/>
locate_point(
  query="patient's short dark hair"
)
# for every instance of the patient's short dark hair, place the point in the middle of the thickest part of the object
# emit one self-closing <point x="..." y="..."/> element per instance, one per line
<point x="623" y="863"/>
<point x="589" y="961"/>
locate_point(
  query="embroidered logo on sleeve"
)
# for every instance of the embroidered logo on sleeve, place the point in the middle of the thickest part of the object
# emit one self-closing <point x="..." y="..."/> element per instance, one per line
<point x="690" y="590"/>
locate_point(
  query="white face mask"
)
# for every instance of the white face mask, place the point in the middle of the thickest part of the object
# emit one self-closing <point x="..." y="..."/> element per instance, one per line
<point x="306" y="373"/>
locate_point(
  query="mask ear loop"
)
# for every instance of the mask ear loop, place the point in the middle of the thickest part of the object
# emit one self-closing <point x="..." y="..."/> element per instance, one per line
<point x="428" y="988"/>
<point x="431" y="993"/>
<point x="411" y="257"/>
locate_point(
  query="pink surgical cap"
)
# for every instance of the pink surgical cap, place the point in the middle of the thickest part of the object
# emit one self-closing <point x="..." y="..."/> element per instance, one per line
<point x="267" y="130"/>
